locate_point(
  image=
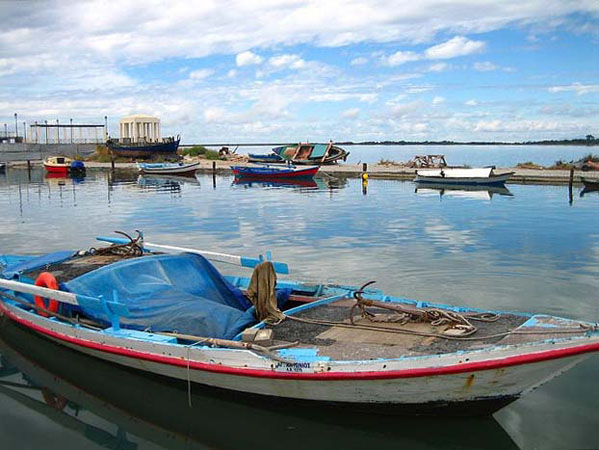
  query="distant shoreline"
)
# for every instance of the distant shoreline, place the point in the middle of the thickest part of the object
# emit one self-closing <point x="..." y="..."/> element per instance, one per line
<point x="564" y="142"/>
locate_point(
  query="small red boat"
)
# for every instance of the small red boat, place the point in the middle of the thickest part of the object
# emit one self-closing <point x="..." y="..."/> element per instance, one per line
<point x="269" y="173"/>
<point x="58" y="164"/>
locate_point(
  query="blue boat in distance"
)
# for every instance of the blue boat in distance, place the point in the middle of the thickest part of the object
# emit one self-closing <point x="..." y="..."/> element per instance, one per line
<point x="268" y="159"/>
<point x="145" y="150"/>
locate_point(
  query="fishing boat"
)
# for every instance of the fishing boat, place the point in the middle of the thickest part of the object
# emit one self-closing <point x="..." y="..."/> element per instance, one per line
<point x="311" y="153"/>
<point x="167" y="310"/>
<point x="267" y="159"/>
<point x="463" y="176"/>
<point x="166" y="148"/>
<point x="180" y="168"/>
<point x="61" y="165"/>
<point x="274" y="173"/>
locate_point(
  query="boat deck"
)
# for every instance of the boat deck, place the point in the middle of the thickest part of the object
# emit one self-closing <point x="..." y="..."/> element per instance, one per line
<point x="77" y="266"/>
<point x="341" y="343"/>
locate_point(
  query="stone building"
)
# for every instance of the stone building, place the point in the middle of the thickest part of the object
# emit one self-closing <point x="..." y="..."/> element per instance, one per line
<point x="139" y="128"/>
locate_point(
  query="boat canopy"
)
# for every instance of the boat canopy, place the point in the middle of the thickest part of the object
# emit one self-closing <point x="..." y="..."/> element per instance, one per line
<point x="182" y="293"/>
<point x="16" y="266"/>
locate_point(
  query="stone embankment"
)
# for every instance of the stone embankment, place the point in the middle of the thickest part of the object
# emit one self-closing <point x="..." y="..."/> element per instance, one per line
<point x="375" y="171"/>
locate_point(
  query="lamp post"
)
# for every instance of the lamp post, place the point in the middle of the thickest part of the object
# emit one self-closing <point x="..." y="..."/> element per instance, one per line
<point x="24" y="132"/>
<point x="16" y="128"/>
<point x="57" y="131"/>
<point x="46" y="128"/>
<point x="71" y="130"/>
<point x="105" y="128"/>
<point x="5" y="132"/>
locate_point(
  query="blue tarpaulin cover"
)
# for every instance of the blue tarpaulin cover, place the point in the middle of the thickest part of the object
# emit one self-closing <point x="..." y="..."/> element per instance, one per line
<point x="182" y="293"/>
<point x="16" y="266"/>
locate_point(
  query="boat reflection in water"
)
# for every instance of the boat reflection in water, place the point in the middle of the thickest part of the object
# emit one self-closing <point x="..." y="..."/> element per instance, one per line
<point x="475" y="192"/>
<point x="165" y="183"/>
<point x="308" y="184"/>
<point x="115" y="407"/>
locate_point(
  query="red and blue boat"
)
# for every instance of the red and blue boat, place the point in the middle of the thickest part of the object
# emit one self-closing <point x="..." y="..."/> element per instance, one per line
<point x="267" y="172"/>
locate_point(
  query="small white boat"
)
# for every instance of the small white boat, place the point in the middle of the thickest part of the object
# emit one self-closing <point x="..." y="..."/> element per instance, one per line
<point x="168" y="168"/>
<point x="463" y="176"/>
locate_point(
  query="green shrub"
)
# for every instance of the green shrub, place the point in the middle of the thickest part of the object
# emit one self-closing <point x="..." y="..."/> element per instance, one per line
<point x="198" y="150"/>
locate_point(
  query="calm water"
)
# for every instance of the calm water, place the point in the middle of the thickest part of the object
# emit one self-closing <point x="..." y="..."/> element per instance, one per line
<point x="526" y="249"/>
<point x="473" y="155"/>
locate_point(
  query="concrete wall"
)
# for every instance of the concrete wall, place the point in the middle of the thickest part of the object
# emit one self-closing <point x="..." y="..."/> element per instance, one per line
<point x="36" y="152"/>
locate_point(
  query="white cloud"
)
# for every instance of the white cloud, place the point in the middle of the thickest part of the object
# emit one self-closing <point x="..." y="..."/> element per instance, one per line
<point x="578" y="88"/>
<point x="457" y="46"/>
<point x="485" y="66"/>
<point x="400" y="57"/>
<point x="351" y="113"/>
<point x="247" y="58"/>
<point x="287" y="61"/>
<point x="200" y="74"/>
<point x="438" y="67"/>
<point x="359" y="61"/>
<point x="215" y="114"/>
<point x="438" y="100"/>
<point x="471" y="102"/>
<point x="231" y="73"/>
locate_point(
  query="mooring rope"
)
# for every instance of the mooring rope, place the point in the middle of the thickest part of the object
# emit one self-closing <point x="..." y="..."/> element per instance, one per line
<point x="582" y="329"/>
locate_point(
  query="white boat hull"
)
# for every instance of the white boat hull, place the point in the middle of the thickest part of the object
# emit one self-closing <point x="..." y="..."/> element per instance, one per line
<point x="477" y="377"/>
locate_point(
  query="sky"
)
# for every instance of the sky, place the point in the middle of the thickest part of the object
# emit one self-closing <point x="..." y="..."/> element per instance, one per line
<point x="287" y="70"/>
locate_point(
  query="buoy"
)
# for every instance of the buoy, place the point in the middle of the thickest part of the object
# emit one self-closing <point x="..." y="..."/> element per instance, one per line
<point x="47" y="280"/>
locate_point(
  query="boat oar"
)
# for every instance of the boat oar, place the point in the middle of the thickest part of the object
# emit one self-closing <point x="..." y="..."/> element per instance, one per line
<point x="243" y="261"/>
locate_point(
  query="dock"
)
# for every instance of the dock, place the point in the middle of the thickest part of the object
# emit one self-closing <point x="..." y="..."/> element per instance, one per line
<point x="375" y="171"/>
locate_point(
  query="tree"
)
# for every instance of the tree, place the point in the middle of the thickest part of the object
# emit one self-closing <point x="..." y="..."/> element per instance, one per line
<point x="590" y="137"/>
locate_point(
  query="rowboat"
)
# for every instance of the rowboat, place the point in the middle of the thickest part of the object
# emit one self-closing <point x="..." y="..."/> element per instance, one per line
<point x="62" y="165"/>
<point x="267" y="159"/>
<point x="90" y="389"/>
<point x="175" y="315"/>
<point x="477" y="176"/>
<point x="166" y="148"/>
<point x="168" y="168"/>
<point x="268" y="172"/>
<point x="307" y="153"/>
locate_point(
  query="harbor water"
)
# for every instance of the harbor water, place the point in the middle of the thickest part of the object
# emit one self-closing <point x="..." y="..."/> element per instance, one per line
<point x="524" y="248"/>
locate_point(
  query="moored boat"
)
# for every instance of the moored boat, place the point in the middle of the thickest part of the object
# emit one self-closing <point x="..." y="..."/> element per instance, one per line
<point x="2" y="166"/>
<point x="266" y="159"/>
<point x="180" y="168"/>
<point x="166" y="148"/>
<point x="273" y="173"/>
<point x="306" y="153"/>
<point x="61" y="165"/>
<point x="462" y="176"/>
<point x="177" y="316"/>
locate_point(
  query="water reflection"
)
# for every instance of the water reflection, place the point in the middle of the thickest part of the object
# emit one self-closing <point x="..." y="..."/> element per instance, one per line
<point x="463" y="191"/>
<point x="115" y="407"/>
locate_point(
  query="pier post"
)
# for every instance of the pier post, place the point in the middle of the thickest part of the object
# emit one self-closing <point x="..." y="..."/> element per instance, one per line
<point x="213" y="167"/>
<point x="570" y="183"/>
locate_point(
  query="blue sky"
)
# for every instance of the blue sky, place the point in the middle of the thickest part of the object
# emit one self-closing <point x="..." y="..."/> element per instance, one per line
<point x="285" y="70"/>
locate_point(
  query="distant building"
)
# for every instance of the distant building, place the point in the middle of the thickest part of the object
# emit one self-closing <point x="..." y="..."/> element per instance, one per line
<point x="139" y="128"/>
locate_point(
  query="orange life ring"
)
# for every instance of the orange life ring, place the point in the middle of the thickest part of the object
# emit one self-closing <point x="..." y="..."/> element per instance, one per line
<point x="47" y="280"/>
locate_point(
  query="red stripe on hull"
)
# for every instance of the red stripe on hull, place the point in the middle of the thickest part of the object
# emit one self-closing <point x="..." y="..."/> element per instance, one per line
<point x="57" y="169"/>
<point x="546" y="355"/>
